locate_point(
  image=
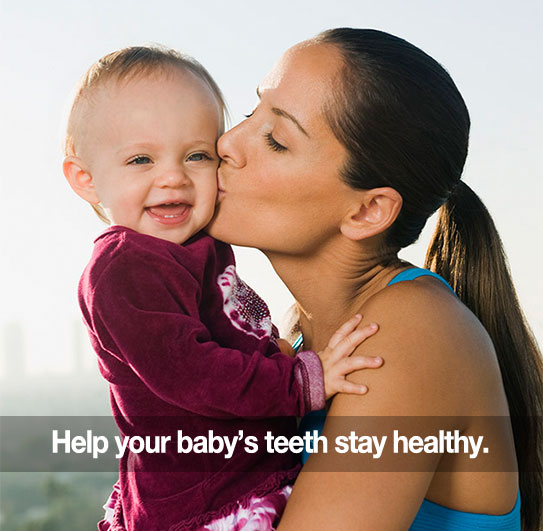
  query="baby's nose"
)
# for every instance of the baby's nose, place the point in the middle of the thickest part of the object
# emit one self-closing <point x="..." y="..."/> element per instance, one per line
<point x="172" y="177"/>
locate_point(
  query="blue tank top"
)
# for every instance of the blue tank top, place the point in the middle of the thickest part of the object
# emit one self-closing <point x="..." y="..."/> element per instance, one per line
<point x="431" y="516"/>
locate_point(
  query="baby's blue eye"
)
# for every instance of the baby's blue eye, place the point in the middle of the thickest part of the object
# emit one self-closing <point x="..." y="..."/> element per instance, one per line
<point x="140" y="159"/>
<point x="198" y="157"/>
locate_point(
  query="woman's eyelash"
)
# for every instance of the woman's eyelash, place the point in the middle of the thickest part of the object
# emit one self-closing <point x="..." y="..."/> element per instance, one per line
<point x="273" y="143"/>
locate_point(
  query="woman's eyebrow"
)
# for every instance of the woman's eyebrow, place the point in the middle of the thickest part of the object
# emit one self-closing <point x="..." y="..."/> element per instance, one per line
<point x="285" y="114"/>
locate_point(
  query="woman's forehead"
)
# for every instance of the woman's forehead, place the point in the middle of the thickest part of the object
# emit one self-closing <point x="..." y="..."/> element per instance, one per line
<point x="304" y="64"/>
<point x="303" y="79"/>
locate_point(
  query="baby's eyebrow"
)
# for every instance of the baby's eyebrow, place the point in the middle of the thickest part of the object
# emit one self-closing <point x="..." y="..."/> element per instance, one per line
<point x="144" y="147"/>
<point x="136" y="145"/>
<point x="285" y="114"/>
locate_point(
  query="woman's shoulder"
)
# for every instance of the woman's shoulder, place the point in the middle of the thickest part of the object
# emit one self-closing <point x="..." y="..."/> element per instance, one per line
<point x="426" y="314"/>
<point x="439" y="360"/>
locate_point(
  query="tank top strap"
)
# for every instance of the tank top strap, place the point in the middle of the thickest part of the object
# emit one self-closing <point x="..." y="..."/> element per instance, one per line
<point x="416" y="272"/>
<point x="298" y="343"/>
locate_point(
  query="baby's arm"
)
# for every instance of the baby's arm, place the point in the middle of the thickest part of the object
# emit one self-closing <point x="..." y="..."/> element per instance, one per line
<point x="147" y="320"/>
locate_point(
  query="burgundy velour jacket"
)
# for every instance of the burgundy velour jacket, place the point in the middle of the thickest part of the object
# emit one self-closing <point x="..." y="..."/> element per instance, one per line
<point x="186" y="345"/>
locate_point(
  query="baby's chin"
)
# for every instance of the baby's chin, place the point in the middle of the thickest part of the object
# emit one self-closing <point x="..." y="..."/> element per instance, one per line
<point x="172" y="236"/>
<point x="178" y="239"/>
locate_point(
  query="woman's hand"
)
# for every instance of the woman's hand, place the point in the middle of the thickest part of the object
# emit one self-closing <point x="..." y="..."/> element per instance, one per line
<point x="336" y="360"/>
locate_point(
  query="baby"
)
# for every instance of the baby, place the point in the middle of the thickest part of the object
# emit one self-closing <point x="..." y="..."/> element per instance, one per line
<point x="178" y="335"/>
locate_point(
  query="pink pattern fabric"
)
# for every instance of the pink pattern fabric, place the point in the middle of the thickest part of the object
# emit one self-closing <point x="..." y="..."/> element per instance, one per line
<point x="247" y="311"/>
<point x="260" y="514"/>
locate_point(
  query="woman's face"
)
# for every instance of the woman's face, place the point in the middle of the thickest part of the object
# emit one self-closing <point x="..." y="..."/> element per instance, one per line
<point x="279" y="184"/>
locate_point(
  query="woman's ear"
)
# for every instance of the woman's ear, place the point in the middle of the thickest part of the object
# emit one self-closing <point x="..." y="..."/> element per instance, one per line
<point x="374" y="212"/>
<point x="80" y="179"/>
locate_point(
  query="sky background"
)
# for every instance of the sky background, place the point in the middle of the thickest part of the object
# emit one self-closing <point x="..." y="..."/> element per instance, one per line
<point x="491" y="48"/>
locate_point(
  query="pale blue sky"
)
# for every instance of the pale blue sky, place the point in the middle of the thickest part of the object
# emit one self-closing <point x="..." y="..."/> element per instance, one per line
<point x="491" y="48"/>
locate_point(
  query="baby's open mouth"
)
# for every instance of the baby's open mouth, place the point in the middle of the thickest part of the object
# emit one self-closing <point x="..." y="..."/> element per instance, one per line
<point x="169" y="211"/>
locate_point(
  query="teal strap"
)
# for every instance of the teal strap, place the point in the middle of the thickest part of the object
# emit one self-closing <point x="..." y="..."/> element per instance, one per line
<point x="298" y="343"/>
<point x="432" y="516"/>
<point x="416" y="272"/>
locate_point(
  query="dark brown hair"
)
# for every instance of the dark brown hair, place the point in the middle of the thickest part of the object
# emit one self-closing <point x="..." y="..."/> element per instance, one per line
<point x="405" y="125"/>
<point x="129" y="63"/>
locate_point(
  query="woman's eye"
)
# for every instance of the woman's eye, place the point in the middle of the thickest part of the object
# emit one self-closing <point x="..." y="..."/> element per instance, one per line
<point x="198" y="157"/>
<point x="140" y="159"/>
<point x="273" y="143"/>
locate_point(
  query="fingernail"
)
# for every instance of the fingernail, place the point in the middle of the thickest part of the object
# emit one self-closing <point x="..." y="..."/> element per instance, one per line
<point x="358" y="316"/>
<point x="378" y="359"/>
<point x="363" y="389"/>
<point x="373" y="326"/>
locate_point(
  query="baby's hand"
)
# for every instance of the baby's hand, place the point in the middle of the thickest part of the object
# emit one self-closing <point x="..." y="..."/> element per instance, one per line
<point x="285" y="347"/>
<point x="336" y="360"/>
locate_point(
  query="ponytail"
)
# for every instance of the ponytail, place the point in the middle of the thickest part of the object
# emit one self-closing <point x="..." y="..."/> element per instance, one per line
<point x="467" y="251"/>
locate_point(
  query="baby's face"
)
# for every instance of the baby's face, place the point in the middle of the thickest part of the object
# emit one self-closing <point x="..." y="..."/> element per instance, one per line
<point x="149" y="144"/>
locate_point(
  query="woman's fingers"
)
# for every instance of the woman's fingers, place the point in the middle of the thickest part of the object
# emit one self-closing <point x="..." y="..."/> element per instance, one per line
<point x="344" y="330"/>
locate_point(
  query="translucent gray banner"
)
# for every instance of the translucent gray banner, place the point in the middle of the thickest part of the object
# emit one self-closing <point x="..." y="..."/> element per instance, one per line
<point x="377" y="444"/>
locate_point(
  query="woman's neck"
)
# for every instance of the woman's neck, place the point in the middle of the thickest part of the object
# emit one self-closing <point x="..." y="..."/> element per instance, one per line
<point x="331" y="286"/>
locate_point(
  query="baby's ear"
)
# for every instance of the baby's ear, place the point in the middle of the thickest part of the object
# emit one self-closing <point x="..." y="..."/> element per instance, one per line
<point x="80" y="179"/>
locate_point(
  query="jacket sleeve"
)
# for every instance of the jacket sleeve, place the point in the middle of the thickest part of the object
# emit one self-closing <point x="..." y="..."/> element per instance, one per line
<point x="145" y="314"/>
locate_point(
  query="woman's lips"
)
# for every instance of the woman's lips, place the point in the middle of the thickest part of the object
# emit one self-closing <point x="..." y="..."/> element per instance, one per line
<point x="169" y="213"/>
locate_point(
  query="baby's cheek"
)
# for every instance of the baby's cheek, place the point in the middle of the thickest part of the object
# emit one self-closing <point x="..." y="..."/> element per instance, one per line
<point x="210" y="203"/>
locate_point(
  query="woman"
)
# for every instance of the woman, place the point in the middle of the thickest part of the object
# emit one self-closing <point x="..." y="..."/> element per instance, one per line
<point x="358" y="138"/>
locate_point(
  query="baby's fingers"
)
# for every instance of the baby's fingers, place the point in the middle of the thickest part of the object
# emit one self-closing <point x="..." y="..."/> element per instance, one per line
<point x="352" y="388"/>
<point x="337" y="383"/>
<point x="344" y="330"/>
<point x="349" y="365"/>
<point x="355" y="363"/>
<point x="347" y="345"/>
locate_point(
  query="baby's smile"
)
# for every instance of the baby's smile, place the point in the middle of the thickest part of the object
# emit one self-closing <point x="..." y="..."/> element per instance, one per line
<point x="169" y="213"/>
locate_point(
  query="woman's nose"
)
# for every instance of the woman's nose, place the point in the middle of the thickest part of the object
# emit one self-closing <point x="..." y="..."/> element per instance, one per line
<point x="230" y="146"/>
